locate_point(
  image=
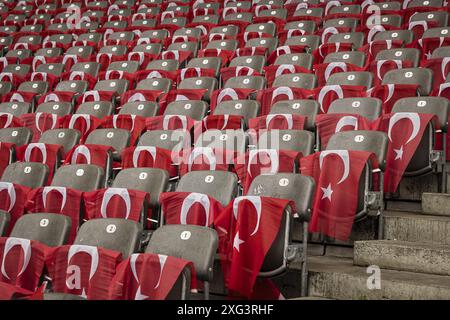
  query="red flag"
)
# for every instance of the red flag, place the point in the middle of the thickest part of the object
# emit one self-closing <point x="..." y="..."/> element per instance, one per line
<point x="238" y="71"/>
<point x="11" y="292"/>
<point x="270" y="96"/>
<point x="380" y="67"/>
<point x="12" y="200"/>
<point x="84" y="123"/>
<point x="391" y="93"/>
<point x="227" y="94"/>
<point x="148" y="157"/>
<point x="133" y="123"/>
<point x="169" y="122"/>
<point x="205" y="158"/>
<point x="274" y="71"/>
<point x="281" y="121"/>
<point x="39" y="122"/>
<point x="5" y="155"/>
<point x="327" y="94"/>
<point x="323" y="71"/>
<point x="7" y="120"/>
<point x="88" y="154"/>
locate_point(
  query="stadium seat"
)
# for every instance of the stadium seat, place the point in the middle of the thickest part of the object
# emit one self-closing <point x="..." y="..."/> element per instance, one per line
<point x="67" y="138"/>
<point x="308" y="108"/>
<point x="366" y="107"/>
<point x="193" y="109"/>
<point x="140" y="108"/>
<point x="233" y="140"/>
<point x="295" y="140"/>
<point x="420" y="76"/>
<point x="17" y="136"/>
<point x="83" y="177"/>
<point x="29" y="174"/>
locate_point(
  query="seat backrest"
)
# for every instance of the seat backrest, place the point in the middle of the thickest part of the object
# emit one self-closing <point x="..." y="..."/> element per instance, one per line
<point x="189" y="242"/>
<point x="5" y="87"/>
<point x="410" y="54"/>
<point x="83" y="177"/>
<point x="438" y="106"/>
<point x="76" y="86"/>
<point x="358" y="78"/>
<point x="117" y="85"/>
<point x="420" y="76"/>
<point x="246" y="82"/>
<point x="58" y="108"/>
<point x="89" y="67"/>
<point x="174" y="140"/>
<point x="406" y="36"/>
<point x="438" y="17"/>
<point x="269" y="43"/>
<point x="4" y="222"/>
<point x="164" y="64"/>
<point x="48" y="228"/>
<point x="53" y="68"/>
<point x="436" y="33"/>
<point x="255" y="62"/>
<point x="119" y="139"/>
<point x="213" y="63"/>
<point x="369" y="108"/>
<point x="67" y="138"/>
<point x="38" y="87"/>
<point x="98" y="109"/>
<point x="220" y="185"/>
<point x="226" y="44"/>
<point x="233" y="140"/>
<point x="296" y="80"/>
<point x="305" y="107"/>
<point x="194" y="109"/>
<point x="341" y="23"/>
<point x="246" y="108"/>
<point x="354" y="57"/>
<point x="29" y="174"/>
<point x="361" y="140"/>
<point x="295" y="140"/>
<point x="304" y="60"/>
<point x="115" y="234"/>
<point x="162" y="84"/>
<point x="208" y="83"/>
<point x="355" y="38"/>
<point x="151" y="180"/>
<point x="18" y="136"/>
<point x="441" y="52"/>
<point x="152" y="48"/>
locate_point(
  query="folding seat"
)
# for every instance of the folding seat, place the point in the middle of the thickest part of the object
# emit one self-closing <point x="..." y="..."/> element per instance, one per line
<point x="210" y="18"/>
<point x="313" y="12"/>
<point x="425" y="3"/>
<point x="267" y="28"/>
<point x="30" y="40"/>
<point x="274" y="13"/>
<point x="19" y="54"/>
<point x="90" y="37"/>
<point x="61" y="38"/>
<point x="83" y="177"/>
<point x="49" y="52"/>
<point x="116" y="25"/>
<point x="174" y="140"/>
<point x="47" y="228"/>
<point x="441" y="52"/>
<point x="212" y="63"/>
<point x="118" y="86"/>
<point x="114" y="234"/>
<point x="177" y="21"/>
<point x="189" y="32"/>
<point x="227" y="44"/>
<point x="355" y="38"/>
<point x="140" y="108"/>
<point x="126" y="66"/>
<point x="409" y="54"/>
<point x="98" y="109"/>
<point x="351" y="23"/>
<point x="354" y="57"/>
<point x="311" y="41"/>
<point x="122" y="36"/>
<point x="80" y="51"/>
<point x="436" y="32"/>
<point x="193" y="109"/>
<point x="246" y="108"/>
<point x="244" y="5"/>
<point x="308" y="108"/>
<point x="246" y="82"/>
<point x="53" y="68"/>
<point x="15" y="108"/>
<point x="58" y="108"/>
<point x="37" y="87"/>
<point x="347" y="9"/>
<point x="211" y="6"/>
<point x="439" y="18"/>
<point x="296" y="80"/>
<point x="367" y="107"/>
<point x="152" y="48"/>
<point x="121" y="12"/>
<point x="17" y="136"/>
<point x="162" y="84"/>
<point x="419" y="76"/>
<point x="304" y="60"/>
<point x="148" y="23"/>
<point x="393" y="20"/>
<point x="295" y="140"/>
<point x="233" y="140"/>
<point x="208" y="83"/>
<point x="269" y="43"/>
<point x="30" y="174"/>
<point x="230" y="30"/>
<point x="75" y="86"/>
<point x="118" y="139"/>
<point x="240" y="16"/>
<point x="61" y="27"/>
<point x="163" y="64"/>
<point x="407" y="36"/>
<point x="300" y="189"/>
<point x="19" y="69"/>
<point x="8" y="29"/>
<point x="67" y="138"/>
<point x="118" y="50"/>
<point x="190" y="46"/>
<point x="159" y="34"/>
<point x="306" y="25"/>
<point x="360" y="78"/>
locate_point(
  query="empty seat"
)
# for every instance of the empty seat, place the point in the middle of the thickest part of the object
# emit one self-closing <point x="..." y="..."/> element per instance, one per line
<point x="369" y="108"/>
<point x="67" y="138"/>
<point x="163" y="64"/>
<point x="295" y="140"/>
<point x="304" y="60"/>
<point x="15" y="108"/>
<point x="174" y="140"/>
<point x="83" y="177"/>
<point x="296" y="80"/>
<point x="76" y="86"/>
<point x="420" y="76"/>
<point x="233" y="140"/>
<point x="410" y="54"/>
<point x="361" y="78"/>
<point x="354" y="57"/>
<point x="208" y="83"/>
<point x="255" y="62"/>
<point x="406" y="36"/>
<point x="246" y="108"/>
<point x="58" y="108"/>
<point x="162" y="84"/>
<point x="118" y="86"/>
<point x="246" y="82"/>
<point x="118" y="139"/>
<point x="191" y="108"/>
<point x="30" y="174"/>
<point x="98" y="109"/>
<point x="140" y="108"/>
<point x="307" y="107"/>
<point x="355" y="38"/>
<point x="311" y="41"/>
<point x="17" y="136"/>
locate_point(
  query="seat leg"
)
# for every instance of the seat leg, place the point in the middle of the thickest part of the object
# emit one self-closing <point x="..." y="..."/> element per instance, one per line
<point x="206" y="290"/>
<point x="304" y="277"/>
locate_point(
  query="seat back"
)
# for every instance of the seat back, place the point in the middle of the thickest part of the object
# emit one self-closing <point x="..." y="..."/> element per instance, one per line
<point x="233" y="140"/>
<point x="98" y="109"/>
<point x="246" y="108"/>
<point x="304" y="60"/>
<point x="305" y="107"/>
<point x="369" y="108"/>
<point x="189" y="242"/>
<point x="83" y="177"/>
<point x="18" y="136"/>
<point x="208" y="83"/>
<point x="174" y="140"/>
<point x="296" y="80"/>
<point x="115" y="234"/>
<point x="359" y="78"/>
<point x="191" y="108"/>
<point x="410" y="54"/>
<point x="67" y="138"/>
<point x="420" y="76"/>
<point x="354" y="57"/>
<point x="246" y="82"/>
<point x="119" y="139"/>
<point x="47" y="228"/>
<point x="295" y="140"/>
<point x="140" y="108"/>
<point x="58" y="108"/>
<point x="30" y="174"/>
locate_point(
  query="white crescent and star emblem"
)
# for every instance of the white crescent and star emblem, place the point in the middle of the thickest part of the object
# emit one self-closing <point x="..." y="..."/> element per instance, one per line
<point x="415" y="120"/>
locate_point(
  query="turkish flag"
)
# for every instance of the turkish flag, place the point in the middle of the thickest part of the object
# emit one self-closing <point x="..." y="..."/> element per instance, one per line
<point x="56" y="96"/>
<point x="274" y="71"/>
<point x="170" y="122"/>
<point x="189" y="208"/>
<point x="133" y="123"/>
<point x="7" y="120"/>
<point x="372" y="48"/>
<point x="227" y="94"/>
<point x="440" y="68"/>
<point x="247" y="228"/>
<point x="325" y="49"/>
<point x="268" y="97"/>
<point x="389" y="94"/>
<point x="148" y="276"/>
<point x="11" y="292"/>
<point x="19" y="96"/>
<point x="323" y="71"/>
<point x="84" y="123"/>
<point x="264" y="161"/>
<point x="331" y="123"/>
<point x="380" y="67"/>
<point x="39" y="122"/>
<point x="22" y="262"/>
<point x="219" y="122"/>
<point x="281" y="121"/>
<point x="95" y="95"/>
<point x="282" y="50"/>
<point x="13" y="198"/>
<point x="82" y="270"/>
<point x="237" y="71"/>
<point x="140" y="95"/>
<point x="195" y="72"/>
<point x="89" y="154"/>
<point x="225" y="55"/>
<point x="156" y="73"/>
<point x="58" y="200"/>
<point x="148" y="157"/>
<point x="180" y="94"/>
<point x="337" y="174"/>
<point x="327" y="94"/>
<point x="405" y="131"/>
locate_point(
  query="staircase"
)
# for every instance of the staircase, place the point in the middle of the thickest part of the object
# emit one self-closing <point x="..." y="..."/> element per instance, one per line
<point x="413" y="258"/>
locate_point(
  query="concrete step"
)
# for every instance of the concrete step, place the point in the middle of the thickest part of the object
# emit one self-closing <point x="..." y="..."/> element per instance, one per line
<point x="413" y="227"/>
<point x="402" y="255"/>
<point x="436" y="203"/>
<point x="338" y="278"/>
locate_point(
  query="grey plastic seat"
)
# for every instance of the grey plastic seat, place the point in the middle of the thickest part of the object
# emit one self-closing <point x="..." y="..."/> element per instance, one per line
<point x="233" y="140"/>
<point x="359" y="78"/>
<point x="118" y="86"/>
<point x="19" y="69"/>
<point x="98" y="109"/>
<point x="220" y="185"/>
<point x="438" y="17"/>
<point x="118" y="50"/>
<point x="67" y="138"/>
<point x="280" y="13"/>
<point x="91" y="68"/>
<point x="436" y="33"/>
<point x="178" y="21"/>
<point x="31" y="39"/>
<point x="38" y="87"/>
<point x="191" y="46"/>
<point x="296" y="80"/>
<point x="61" y="38"/>
<point x="355" y="38"/>
<point x="32" y="28"/>
<point x="152" y="48"/>
<point x="200" y="247"/>
<point x="348" y="9"/>
<point x="311" y="41"/>
<point x="306" y="25"/>
<point x="407" y="36"/>
<point x="163" y="64"/>
<point x="115" y="234"/>
<point x="425" y="3"/>
<point x="19" y="53"/>
<point x="295" y="140"/>
<point x="140" y="108"/>
<point x="230" y="30"/>
<point x="223" y="44"/>
<point x="53" y="68"/>
<point x="410" y="54"/>
<point x="190" y="32"/>
<point x="208" y="83"/>
<point x="83" y="177"/>
<point x="119" y="139"/>
<point x="80" y="51"/>
<point x="30" y="174"/>
<point x="213" y="63"/>
<point x="441" y="52"/>
<point x="4" y="222"/>
<point x="126" y="66"/>
<point x="246" y="108"/>
<point x="121" y="35"/>
<point x="48" y="228"/>
<point x="91" y="36"/>
<point x="314" y="12"/>
<point x="61" y="296"/>
<point x="369" y="108"/>
<point x="269" y="43"/>
<point x="159" y="34"/>
<point x="17" y="136"/>
<point x="174" y="140"/>
<point x="162" y="84"/>
<point x="255" y="62"/>
<point x="210" y="18"/>
<point x="394" y="20"/>
<point x="5" y="87"/>
<point x="76" y="86"/>
<point x="15" y="108"/>
<point x="354" y="57"/>
<point x="194" y="109"/>
<point x="389" y="5"/>
<point x="305" y="107"/>
<point x="421" y="76"/>
<point x="58" y="108"/>
<point x="246" y="82"/>
<point x="304" y="60"/>
<point x="341" y="23"/>
<point x="240" y="16"/>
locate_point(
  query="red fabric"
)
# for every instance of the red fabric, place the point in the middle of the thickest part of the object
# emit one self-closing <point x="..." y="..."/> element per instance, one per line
<point x="57" y="96"/>
<point x="227" y="94"/>
<point x="247" y="228"/>
<point x="148" y="276"/>
<point x="278" y="121"/>
<point x="134" y="124"/>
<point x="440" y="68"/>
<point x="10" y="292"/>
<point x="88" y="154"/>
<point x="327" y="94"/>
<point x="39" y="122"/>
<point x="12" y="200"/>
<point x="115" y="203"/>
<point x="23" y="262"/>
<point x="324" y="70"/>
<point x="58" y="200"/>
<point x="83" y="270"/>
<point x="195" y="72"/>
<point x="154" y="73"/>
<point x="326" y="48"/>
<point x="40" y="152"/>
<point x="218" y="121"/>
<point x="274" y="71"/>
<point x="148" y="157"/>
<point x="270" y="96"/>
<point x="403" y="142"/>
<point x="179" y="55"/>
<point x="95" y="95"/>
<point x="205" y="158"/>
<point x="82" y="122"/>
<point x="19" y="96"/>
<point x="337" y="174"/>
<point x="169" y="122"/>
<point x="284" y="50"/>
<point x="181" y="94"/>
<point x="330" y="123"/>
<point x="5" y="154"/>
<point x="264" y="161"/>
<point x="7" y="120"/>
<point x="380" y="67"/>
<point x="225" y="55"/>
<point x="140" y="95"/>
<point x="230" y="72"/>
<point x="371" y="49"/>
<point x="189" y="208"/>
<point x="391" y="93"/>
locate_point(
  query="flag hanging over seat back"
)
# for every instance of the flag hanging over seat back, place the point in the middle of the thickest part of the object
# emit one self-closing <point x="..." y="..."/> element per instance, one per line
<point x="13" y="198"/>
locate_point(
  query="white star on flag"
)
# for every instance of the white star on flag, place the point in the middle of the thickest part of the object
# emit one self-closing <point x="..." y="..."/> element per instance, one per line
<point x="399" y="153"/>
<point x="139" y="295"/>
<point x="327" y="192"/>
<point x="237" y="242"/>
